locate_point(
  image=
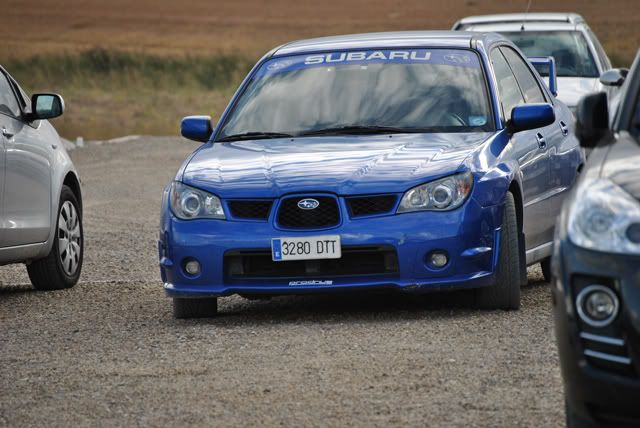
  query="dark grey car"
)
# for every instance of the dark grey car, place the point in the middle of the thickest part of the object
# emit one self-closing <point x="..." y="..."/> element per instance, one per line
<point x="596" y="268"/>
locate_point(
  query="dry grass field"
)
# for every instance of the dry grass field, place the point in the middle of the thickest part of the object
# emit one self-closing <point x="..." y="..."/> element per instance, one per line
<point x="197" y="30"/>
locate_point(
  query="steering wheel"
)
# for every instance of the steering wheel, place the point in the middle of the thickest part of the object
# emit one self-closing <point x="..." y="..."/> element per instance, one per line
<point x="455" y="118"/>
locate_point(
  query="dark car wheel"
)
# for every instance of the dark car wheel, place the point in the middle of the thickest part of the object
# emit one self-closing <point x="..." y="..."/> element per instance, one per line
<point x="195" y="308"/>
<point x="505" y="293"/>
<point x="61" y="267"/>
<point x="546" y="269"/>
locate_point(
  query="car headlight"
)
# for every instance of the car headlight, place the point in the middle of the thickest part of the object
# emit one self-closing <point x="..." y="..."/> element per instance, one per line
<point x="190" y="203"/>
<point x="440" y="195"/>
<point x="605" y="218"/>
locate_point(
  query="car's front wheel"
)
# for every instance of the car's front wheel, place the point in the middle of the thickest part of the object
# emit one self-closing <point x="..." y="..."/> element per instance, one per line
<point x="195" y="308"/>
<point x="545" y="265"/>
<point x="505" y="293"/>
<point x="61" y="267"/>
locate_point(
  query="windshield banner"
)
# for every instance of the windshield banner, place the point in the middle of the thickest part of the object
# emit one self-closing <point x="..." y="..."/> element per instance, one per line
<point x="451" y="57"/>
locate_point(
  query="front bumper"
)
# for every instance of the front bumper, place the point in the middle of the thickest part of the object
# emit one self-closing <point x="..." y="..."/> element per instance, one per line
<point x="602" y="387"/>
<point x="469" y="235"/>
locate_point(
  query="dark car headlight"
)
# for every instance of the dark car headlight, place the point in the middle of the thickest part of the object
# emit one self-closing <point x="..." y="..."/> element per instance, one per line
<point x="188" y="203"/>
<point x="605" y="218"/>
<point x="438" y="195"/>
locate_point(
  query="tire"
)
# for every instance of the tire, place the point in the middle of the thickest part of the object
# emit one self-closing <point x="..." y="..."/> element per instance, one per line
<point x="546" y="269"/>
<point x="195" y="308"/>
<point x="505" y="293"/>
<point x="61" y="268"/>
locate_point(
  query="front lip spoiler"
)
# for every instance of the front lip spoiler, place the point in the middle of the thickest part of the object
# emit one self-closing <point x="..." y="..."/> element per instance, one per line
<point x="476" y="280"/>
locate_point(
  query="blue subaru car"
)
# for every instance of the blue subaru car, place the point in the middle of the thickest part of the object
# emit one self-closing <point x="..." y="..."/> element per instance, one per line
<point x="413" y="161"/>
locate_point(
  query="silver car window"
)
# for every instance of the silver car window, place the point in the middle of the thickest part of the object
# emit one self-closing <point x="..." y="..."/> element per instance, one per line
<point x="569" y="48"/>
<point x="8" y="102"/>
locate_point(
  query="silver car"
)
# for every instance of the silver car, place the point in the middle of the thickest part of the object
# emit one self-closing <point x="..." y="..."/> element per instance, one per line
<point x="40" y="198"/>
<point x="582" y="66"/>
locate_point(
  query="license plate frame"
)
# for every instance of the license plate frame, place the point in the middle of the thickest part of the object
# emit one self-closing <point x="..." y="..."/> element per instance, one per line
<point x="319" y="247"/>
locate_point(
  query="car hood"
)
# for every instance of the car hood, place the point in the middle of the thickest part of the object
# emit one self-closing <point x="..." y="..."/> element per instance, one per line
<point x="342" y="165"/>
<point x="621" y="164"/>
<point x="571" y="89"/>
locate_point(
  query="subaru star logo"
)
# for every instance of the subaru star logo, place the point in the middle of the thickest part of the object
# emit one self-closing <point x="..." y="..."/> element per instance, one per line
<point x="308" y="204"/>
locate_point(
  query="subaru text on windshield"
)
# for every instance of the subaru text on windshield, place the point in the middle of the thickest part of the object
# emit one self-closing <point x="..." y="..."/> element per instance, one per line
<point x="404" y="161"/>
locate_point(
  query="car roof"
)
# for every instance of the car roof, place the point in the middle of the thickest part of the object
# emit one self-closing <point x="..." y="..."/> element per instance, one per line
<point x="568" y="18"/>
<point x="389" y="40"/>
<point x="521" y="26"/>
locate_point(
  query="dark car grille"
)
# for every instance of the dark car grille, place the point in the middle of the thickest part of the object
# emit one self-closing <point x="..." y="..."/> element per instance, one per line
<point x="253" y="210"/>
<point x="355" y="261"/>
<point x="371" y="205"/>
<point x="327" y="213"/>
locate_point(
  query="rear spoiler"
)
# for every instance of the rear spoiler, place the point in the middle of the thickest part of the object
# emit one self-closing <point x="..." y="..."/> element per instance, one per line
<point x="549" y="61"/>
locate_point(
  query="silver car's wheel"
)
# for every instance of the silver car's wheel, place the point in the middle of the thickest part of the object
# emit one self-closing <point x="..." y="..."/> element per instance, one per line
<point x="62" y="266"/>
<point x="69" y="238"/>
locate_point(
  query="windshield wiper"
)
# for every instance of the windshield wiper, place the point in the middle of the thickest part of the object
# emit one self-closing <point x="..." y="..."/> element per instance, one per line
<point x="254" y="136"/>
<point x="365" y="129"/>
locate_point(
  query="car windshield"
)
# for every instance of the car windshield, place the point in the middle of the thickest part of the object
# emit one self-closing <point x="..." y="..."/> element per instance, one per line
<point x="568" y="48"/>
<point x="382" y="91"/>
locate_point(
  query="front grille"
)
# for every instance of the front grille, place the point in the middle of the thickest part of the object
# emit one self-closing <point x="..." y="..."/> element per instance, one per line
<point x="326" y="214"/>
<point x="355" y="261"/>
<point x="252" y="210"/>
<point x="607" y="353"/>
<point x="371" y="205"/>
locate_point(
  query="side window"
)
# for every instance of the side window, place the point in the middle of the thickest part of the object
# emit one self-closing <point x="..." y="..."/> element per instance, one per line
<point x="510" y="95"/>
<point x="8" y="102"/>
<point x="23" y="99"/>
<point x="528" y="83"/>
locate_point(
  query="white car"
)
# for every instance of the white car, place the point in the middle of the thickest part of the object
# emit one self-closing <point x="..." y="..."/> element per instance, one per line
<point x="580" y="58"/>
<point x="40" y="198"/>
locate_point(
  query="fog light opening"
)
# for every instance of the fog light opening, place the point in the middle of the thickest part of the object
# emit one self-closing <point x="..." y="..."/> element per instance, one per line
<point x="191" y="267"/>
<point x="438" y="259"/>
<point x="597" y="305"/>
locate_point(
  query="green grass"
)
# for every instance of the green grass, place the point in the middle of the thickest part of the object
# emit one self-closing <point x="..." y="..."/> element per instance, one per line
<point x="112" y="93"/>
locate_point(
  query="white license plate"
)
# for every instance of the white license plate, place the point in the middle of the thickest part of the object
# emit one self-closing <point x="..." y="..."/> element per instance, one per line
<point x="307" y="248"/>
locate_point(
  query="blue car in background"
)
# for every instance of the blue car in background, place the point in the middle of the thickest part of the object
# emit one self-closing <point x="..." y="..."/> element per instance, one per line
<point x="412" y="161"/>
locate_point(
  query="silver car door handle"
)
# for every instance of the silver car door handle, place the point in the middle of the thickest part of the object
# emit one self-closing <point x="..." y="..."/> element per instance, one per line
<point x="542" y="143"/>
<point x="7" y="133"/>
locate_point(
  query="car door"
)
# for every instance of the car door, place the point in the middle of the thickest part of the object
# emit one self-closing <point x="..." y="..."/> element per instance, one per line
<point x="554" y="136"/>
<point x="26" y="200"/>
<point x="528" y="149"/>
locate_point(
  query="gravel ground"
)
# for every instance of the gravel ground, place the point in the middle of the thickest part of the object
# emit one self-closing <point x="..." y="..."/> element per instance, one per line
<point x="109" y="353"/>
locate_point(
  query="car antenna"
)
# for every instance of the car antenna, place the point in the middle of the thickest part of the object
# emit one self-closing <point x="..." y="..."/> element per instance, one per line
<point x="525" y="15"/>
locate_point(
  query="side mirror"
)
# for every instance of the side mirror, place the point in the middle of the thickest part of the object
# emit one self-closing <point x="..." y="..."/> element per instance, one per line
<point x="592" y="119"/>
<point x="197" y="128"/>
<point x="46" y="106"/>
<point x="531" y="116"/>
<point x="614" y="77"/>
